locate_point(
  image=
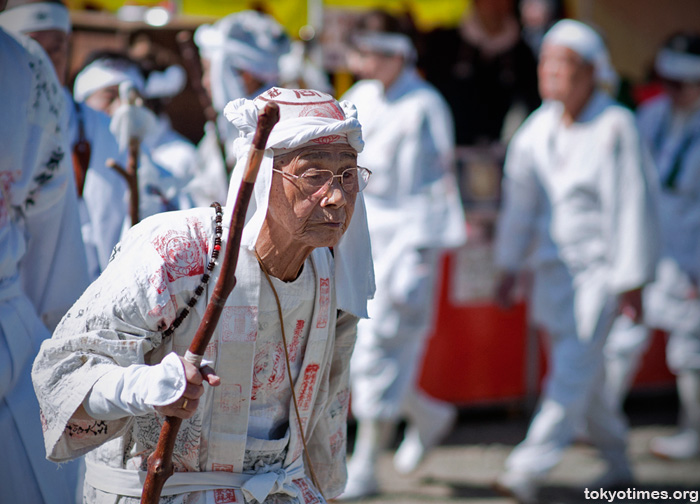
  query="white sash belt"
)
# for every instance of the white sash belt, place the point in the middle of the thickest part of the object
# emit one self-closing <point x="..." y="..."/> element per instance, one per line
<point x="129" y="482"/>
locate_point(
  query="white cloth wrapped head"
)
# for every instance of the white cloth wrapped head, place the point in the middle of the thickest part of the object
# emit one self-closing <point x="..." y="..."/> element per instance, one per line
<point x="247" y="40"/>
<point x="587" y="43"/>
<point x="112" y="71"/>
<point x="36" y="17"/>
<point x="106" y="72"/>
<point x="679" y="59"/>
<point x="307" y="118"/>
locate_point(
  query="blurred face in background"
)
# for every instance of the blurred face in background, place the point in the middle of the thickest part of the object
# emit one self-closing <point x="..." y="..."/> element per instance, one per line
<point x="55" y="43"/>
<point x="564" y="76"/>
<point x="683" y="95"/>
<point x="366" y="64"/>
<point x="106" y="100"/>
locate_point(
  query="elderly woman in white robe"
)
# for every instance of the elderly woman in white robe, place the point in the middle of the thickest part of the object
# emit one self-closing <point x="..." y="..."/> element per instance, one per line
<point x="113" y="365"/>
<point x="42" y="261"/>
<point x="577" y="197"/>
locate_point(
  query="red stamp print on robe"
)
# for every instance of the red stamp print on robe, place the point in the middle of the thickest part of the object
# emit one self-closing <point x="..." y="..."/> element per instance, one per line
<point x="230" y="399"/>
<point x="307" y="493"/>
<point x="324" y="301"/>
<point x="166" y="311"/>
<point x="269" y="369"/>
<point x="296" y="341"/>
<point x="222" y="467"/>
<point x="224" y="495"/>
<point x="184" y="255"/>
<point x="158" y="280"/>
<point x="239" y="323"/>
<point x="337" y="442"/>
<point x="307" y="386"/>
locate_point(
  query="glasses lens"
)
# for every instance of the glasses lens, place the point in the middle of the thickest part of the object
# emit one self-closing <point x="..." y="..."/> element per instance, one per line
<point x="313" y="180"/>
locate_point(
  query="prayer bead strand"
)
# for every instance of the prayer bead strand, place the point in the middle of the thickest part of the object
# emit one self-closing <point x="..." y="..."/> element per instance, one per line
<point x="205" y="277"/>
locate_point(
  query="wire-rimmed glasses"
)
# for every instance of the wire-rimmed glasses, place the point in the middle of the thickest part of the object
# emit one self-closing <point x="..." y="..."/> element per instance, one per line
<point x="313" y="180"/>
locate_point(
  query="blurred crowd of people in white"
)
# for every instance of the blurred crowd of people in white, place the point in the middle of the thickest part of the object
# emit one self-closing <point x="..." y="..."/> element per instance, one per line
<point x="600" y="204"/>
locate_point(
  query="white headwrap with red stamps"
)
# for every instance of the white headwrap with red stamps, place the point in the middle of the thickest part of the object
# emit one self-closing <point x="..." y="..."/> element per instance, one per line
<point x="307" y="117"/>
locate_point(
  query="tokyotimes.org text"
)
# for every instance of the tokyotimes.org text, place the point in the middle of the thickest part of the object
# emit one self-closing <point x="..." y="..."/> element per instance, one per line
<point x="632" y="494"/>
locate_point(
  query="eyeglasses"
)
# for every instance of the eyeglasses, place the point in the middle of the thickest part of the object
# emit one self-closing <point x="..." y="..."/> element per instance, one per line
<point x="312" y="181"/>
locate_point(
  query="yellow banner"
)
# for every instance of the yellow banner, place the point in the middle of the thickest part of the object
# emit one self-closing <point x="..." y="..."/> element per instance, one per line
<point x="293" y="14"/>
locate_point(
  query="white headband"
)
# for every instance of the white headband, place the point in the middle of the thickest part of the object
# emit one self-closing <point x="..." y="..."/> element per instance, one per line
<point x="36" y="17"/>
<point x="388" y="43"/>
<point x="587" y="43"/>
<point x="101" y="74"/>
<point x="305" y="115"/>
<point x="678" y="66"/>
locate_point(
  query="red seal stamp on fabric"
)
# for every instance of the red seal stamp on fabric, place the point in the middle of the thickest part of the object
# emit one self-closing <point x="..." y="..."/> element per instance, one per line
<point x="183" y="254"/>
<point x="307" y="386"/>
<point x="224" y="496"/>
<point x="324" y="301"/>
<point x="239" y="324"/>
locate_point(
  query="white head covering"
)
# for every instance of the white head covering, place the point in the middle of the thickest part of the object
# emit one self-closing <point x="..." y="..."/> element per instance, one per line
<point x="36" y="17"/>
<point x="679" y="59"/>
<point x="247" y="40"/>
<point x="587" y="43"/>
<point x="387" y="43"/>
<point x="106" y="72"/>
<point x="307" y="117"/>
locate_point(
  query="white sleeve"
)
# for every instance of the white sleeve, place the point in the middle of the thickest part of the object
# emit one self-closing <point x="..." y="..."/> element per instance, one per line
<point x="136" y="390"/>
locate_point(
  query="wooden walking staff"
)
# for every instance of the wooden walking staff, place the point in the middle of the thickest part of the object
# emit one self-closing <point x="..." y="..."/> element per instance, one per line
<point x="130" y="174"/>
<point x="160" y="462"/>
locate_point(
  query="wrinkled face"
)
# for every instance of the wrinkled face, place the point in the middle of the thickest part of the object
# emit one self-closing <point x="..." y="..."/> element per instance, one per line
<point x="55" y="43"/>
<point x="106" y="100"/>
<point x="563" y="75"/>
<point x="317" y="220"/>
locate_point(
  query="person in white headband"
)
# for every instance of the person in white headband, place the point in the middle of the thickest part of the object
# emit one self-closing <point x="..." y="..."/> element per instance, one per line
<point x="415" y="214"/>
<point x="240" y="56"/>
<point x="578" y="210"/>
<point x="115" y="362"/>
<point x="670" y="127"/>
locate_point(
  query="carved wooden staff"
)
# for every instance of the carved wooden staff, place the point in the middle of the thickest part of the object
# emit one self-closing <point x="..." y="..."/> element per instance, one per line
<point x="193" y="66"/>
<point x="160" y="465"/>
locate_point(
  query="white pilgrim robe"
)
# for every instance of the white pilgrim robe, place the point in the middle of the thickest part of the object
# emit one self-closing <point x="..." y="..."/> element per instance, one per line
<point x="674" y="141"/>
<point x="414" y="212"/>
<point x="578" y="203"/>
<point x="176" y="154"/>
<point x="42" y="259"/>
<point x="119" y="321"/>
<point x="103" y="206"/>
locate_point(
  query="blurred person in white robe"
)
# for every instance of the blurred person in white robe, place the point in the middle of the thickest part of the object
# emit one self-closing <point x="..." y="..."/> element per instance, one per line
<point x="578" y="203"/>
<point x="102" y="193"/>
<point x="104" y="83"/>
<point x="414" y="214"/>
<point x="281" y="349"/>
<point x="240" y="56"/>
<point x="670" y="127"/>
<point x="42" y="260"/>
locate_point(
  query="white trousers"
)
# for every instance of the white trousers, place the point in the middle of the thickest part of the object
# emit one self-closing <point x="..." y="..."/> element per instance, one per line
<point x="390" y="344"/>
<point x="577" y="323"/>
